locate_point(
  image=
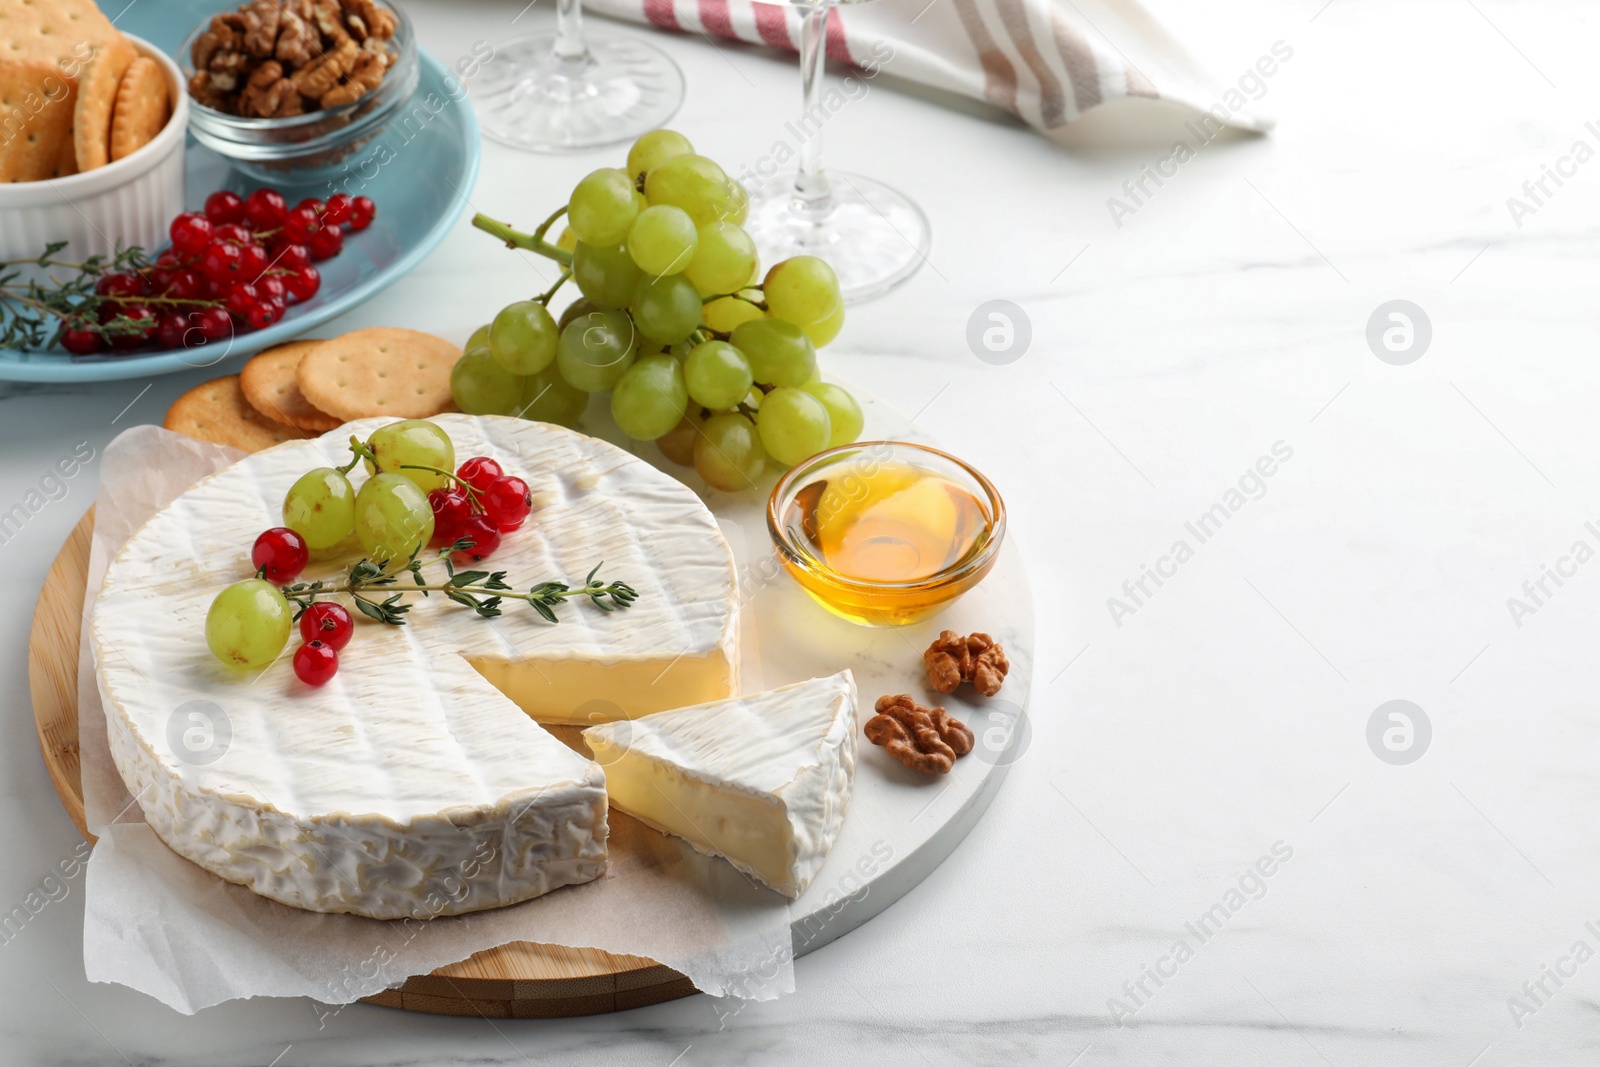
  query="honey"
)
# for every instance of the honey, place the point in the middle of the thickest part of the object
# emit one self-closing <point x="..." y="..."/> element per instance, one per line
<point x="886" y="542"/>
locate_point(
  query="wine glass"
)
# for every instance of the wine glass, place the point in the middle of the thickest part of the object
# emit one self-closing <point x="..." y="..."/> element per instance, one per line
<point x="567" y="90"/>
<point x="873" y="237"/>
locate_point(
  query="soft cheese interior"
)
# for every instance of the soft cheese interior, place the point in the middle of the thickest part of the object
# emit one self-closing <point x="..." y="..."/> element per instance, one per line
<point x="763" y="781"/>
<point x="413" y="783"/>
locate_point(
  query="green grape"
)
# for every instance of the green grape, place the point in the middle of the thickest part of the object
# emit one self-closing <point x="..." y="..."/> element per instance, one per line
<point x="802" y="290"/>
<point x="681" y="350"/>
<point x="728" y="453"/>
<point x="677" y="444"/>
<point x="779" y="353"/>
<point x="693" y="183"/>
<point x="414" y="441"/>
<point x="479" y="338"/>
<point x="546" y="397"/>
<point x="248" y="624"/>
<point x="663" y="240"/>
<point x="727" y="313"/>
<point x="823" y="332"/>
<point x="723" y="260"/>
<point x="602" y="207"/>
<point x="606" y="276"/>
<point x="666" y="309"/>
<point x="522" y="338"/>
<point x="393" y="519"/>
<point x="738" y="211"/>
<point x="596" y="349"/>
<point x="793" y="425"/>
<point x="568" y="240"/>
<point x="320" y="507"/>
<point x="481" y="386"/>
<point x="717" y="374"/>
<point x="650" y="398"/>
<point x="655" y="148"/>
<point x="844" y="414"/>
<point x="581" y="306"/>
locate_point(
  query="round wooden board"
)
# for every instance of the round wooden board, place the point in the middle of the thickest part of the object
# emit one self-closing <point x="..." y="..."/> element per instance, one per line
<point x="521" y="980"/>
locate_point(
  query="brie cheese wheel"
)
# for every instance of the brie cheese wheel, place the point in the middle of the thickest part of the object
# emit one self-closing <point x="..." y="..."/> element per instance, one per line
<point x="415" y="782"/>
<point x="762" y="781"/>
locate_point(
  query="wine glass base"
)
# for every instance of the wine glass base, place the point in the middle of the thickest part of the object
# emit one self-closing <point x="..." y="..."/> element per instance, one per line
<point x="873" y="237"/>
<point x="532" y="99"/>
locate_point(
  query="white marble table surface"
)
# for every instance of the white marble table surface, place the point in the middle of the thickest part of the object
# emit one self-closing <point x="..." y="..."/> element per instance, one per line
<point x="1176" y="744"/>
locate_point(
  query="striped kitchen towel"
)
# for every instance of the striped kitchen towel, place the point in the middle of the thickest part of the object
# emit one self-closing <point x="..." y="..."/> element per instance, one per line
<point x="1047" y="61"/>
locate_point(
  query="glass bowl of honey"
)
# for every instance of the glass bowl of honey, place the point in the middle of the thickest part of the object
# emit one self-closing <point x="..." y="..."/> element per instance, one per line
<point x="885" y="533"/>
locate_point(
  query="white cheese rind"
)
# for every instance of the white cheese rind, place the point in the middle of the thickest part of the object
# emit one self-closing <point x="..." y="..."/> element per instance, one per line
<point x="409" y="785"/>
<point x="763" y="781"/>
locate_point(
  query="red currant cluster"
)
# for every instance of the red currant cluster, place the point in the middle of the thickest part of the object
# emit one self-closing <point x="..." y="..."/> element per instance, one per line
<point x="279" y="556"/>
<point x="483" y="503"/>
<point x="234" y="267"/>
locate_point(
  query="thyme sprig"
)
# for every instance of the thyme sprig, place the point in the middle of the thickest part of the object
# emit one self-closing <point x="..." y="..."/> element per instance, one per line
<point x="482" y="591"/>
<point x="34" y="314"/>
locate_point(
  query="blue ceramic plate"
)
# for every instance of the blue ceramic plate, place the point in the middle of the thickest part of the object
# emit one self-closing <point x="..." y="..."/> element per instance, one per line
<point x="418" y="202"/>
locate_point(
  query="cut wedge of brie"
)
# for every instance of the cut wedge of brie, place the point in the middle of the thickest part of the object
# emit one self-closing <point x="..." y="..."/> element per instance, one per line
<point x="414" y="783"/>
<point x="762" y="781"/>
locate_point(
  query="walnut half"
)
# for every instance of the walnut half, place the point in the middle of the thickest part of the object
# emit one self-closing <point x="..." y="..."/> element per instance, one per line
<point x="979" y="659"/>
<point x="924" y="739"/>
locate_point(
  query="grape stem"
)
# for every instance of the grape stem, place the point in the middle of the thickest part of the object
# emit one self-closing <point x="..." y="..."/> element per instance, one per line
<point x="533" y="242"/>
<point x="361" y="452"/>
<point x="472" y="492"/>
<point x="762" y="304"/>
<point x="544" y="297"/>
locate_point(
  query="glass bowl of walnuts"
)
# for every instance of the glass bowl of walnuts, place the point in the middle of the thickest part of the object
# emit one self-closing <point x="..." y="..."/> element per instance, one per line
<point x="294" y="90"/>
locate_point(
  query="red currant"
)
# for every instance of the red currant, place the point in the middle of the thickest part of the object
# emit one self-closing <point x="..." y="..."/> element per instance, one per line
<point x="303" y="283"/>
<point x="223" y="206"/>
<point x="327" y="622"/>
<point x="173" y="328"/>
<point x="241" y="298"/>
<point x="315" y="663"/>
<point x="186" y="284"/>
<point x="479" y="472"/>
<point x="233" y="231"/>
<point x="119" y="285"/>
<point x="362" y="212"/>
<point x="485" y="538"/>
<point x="291" y="257"/>
<point x="190" y="233"/>
<point x="171" y="260"/>
<point x="221" y="261"/>
<point x="82" y="342"/>
<point x="253" y="259"/>
<point x="300" y="224"/>
<point x="263" y="314"/>
<point x="270" y="286"/>
<point x="508" y="501"/>
<point x="451" y="510"/>
<point x="264" y="209"/>
<point x="213" y="323"/>
<point x="327" y="242"/>
<point x="280" y="555"/>
<point x="144" y="318"/>
<point x="337" y="210"/>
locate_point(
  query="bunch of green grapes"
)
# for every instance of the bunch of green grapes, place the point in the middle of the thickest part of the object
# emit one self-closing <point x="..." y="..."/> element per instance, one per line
<point x="698" y="350"/>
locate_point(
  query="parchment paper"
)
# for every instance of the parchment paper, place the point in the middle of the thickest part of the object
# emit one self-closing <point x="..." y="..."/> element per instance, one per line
<point x="159" y="924"/>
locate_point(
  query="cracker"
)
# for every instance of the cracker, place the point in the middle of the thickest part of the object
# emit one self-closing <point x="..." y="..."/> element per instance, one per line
<point x="380" y="371"/>
<point x="217" y="411"/>
<point x="141" y="109"/>
<point x="97" y="95"/>
<point x="56" y="30"/>
<point x="36" y="110"/>
<point x="268" y="381"/>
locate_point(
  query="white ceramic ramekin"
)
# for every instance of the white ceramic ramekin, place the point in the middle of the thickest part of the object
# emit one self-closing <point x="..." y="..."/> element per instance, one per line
<point x="129" y="202"/>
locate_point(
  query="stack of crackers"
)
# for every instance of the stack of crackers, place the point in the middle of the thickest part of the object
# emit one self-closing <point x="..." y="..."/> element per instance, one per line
<point x="306" y="388"/>
<point x="74" y="93"/>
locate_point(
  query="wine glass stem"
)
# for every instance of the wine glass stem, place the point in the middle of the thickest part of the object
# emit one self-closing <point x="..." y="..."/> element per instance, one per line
<point x="812" y="196"/>
<point x="569" y="31"/>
